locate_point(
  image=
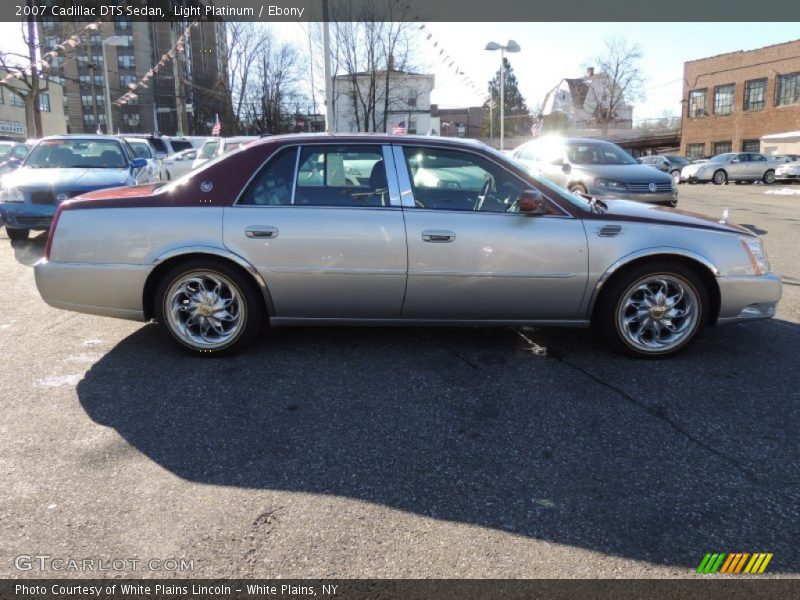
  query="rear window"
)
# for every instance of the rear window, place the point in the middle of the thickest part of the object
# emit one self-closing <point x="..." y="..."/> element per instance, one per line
<point x="180" y="145"/>
<point x="159" y="145"/>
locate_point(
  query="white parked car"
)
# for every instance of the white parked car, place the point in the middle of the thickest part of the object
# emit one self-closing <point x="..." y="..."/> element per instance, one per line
<point x="214" y="147"/>
<point x="142" y="149"/>
<point x="178" y="164"/>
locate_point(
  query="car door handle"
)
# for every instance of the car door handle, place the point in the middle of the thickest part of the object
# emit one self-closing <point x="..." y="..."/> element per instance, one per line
<point x="439" y="236"/>
<point x="261" y="232"/>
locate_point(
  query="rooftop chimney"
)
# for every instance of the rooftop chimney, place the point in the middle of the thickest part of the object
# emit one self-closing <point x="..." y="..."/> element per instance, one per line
<point x="590" y="71"/>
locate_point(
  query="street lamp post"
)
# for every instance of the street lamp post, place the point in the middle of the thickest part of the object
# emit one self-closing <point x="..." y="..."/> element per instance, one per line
<point x="511" y="46"/>
<point x="114" y="40"/>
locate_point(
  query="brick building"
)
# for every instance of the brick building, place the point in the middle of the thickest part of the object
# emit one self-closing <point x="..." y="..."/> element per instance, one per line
<point x="733" y="99"/>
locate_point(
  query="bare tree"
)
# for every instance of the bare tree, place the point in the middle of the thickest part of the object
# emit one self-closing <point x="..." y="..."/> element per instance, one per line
<point x="619" y="82"/>
<point x="274" y="93"/>
<point x="28" y="85"/>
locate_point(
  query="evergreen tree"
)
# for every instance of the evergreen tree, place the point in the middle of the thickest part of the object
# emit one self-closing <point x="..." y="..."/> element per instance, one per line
<point x="518" y="119"/>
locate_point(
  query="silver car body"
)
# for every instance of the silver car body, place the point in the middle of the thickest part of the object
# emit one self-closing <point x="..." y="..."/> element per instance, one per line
<point x="397" y="263"/>
<point x="737" y="166"/>
<point x="550" y="157"/>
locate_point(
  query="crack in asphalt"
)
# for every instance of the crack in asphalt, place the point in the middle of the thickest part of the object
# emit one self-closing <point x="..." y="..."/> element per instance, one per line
<point x="657" y="412"/>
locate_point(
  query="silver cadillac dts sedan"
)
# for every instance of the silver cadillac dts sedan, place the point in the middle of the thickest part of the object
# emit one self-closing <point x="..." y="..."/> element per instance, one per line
<point x="396" y="230"/>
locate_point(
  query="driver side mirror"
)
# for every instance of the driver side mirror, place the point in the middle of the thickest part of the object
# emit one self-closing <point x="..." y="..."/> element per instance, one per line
<point x="138" y="163"/>
<point x="532" y="202"/>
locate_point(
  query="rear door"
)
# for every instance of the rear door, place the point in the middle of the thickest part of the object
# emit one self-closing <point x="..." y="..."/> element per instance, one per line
<point x="324" y="227"/>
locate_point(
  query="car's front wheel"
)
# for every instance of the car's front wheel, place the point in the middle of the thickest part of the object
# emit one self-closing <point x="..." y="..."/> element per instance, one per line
<point x="769" y="177"/>
<point x="653" y="310"/>
<point x="208" y="307"/>
<point x="720" y="177"/>
<point x="17" y="234"/>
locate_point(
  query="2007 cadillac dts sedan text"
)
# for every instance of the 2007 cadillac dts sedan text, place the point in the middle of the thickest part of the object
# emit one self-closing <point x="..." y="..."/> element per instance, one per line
<point x="354" y="229"/>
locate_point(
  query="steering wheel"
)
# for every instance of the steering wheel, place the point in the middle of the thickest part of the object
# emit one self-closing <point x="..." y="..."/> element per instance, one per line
<point x="487" y="185"/>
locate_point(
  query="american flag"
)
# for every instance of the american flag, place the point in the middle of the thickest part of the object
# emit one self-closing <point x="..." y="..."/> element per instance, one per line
<point x="217" y="127"/>
<point x="399" y="129"/>
<point x="536" y="128"/>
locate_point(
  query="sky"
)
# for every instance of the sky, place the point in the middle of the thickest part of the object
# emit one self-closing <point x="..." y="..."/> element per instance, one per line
<point x="552" y="51"/>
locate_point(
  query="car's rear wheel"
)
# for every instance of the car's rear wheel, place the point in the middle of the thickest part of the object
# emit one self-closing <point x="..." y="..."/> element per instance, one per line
<point x="719" y="177"/>
<point x="208" y="308"/>
<point x="769" y="177"/>
<point x="654" y="310"/>
<point x="17" y="234"/>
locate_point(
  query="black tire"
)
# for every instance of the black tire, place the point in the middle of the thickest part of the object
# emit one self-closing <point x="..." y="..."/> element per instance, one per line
<point x="249" y="300"/>
<point x="719" y="177"/>
<point x="17" y="234"/>
<point x="614" y="293"/>
<point x="769" y="177"/>
<point x="578" y="188"/>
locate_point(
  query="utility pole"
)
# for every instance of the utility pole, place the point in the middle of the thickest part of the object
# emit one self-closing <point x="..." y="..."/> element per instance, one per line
<point x="91" y="66"/>
<point x="330" y="126"/>
<point x="37" y="112"/>
<point x="180" y="103"/>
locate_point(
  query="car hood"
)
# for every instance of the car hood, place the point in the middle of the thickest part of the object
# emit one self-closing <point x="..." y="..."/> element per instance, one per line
<point x="75" y="179"/>
<point x="626" y="173"/>
<point x="628" y="211"/>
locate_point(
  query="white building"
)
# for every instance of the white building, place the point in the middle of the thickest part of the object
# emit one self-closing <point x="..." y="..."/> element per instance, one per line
<point x="409" y="102"/>
<point x="582" y="99"/>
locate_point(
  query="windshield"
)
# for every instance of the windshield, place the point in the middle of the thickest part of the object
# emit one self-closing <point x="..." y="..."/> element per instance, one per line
<point x="180" y="145"/>
<point x="721" y="158"/>
<point x="598" y="153"/>
<point x="76" y="153"/>
<point x="208" y="149"/>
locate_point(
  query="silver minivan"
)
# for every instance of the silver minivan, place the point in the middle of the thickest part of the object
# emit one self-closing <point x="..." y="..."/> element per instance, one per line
<point x="596" y="168"/>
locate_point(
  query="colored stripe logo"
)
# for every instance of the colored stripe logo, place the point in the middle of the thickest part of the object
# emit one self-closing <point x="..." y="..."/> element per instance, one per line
<point x="735" y="562"/>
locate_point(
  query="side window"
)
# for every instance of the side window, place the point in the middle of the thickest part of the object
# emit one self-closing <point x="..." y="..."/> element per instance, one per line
<point x="453" y="180"/>
<point x="758" y="158"/>
<point x="342" y="176"/>
<point x="273" y="185"/>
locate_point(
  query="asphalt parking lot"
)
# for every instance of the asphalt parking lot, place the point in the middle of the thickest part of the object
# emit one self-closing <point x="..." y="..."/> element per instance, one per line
<point x="412" y="452"/>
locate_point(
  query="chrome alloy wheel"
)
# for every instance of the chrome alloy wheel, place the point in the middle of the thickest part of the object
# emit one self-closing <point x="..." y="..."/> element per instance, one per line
<point x="658" y="313"/>
<point x="204" y="309"/>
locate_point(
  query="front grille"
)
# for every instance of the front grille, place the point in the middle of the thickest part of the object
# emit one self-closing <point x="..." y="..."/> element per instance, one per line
<point x="43" y="198"/>
<point x="34" y="221"/>
<point x="644" y="188"/>
<point x="50" y="197"/>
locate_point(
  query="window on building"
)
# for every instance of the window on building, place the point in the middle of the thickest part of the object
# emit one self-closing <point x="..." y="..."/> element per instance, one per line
<point x="755" y="94"/>
<point x="123" y="24"/>
<point x="126" y="80"/>
<point x="88" y="119"/>
<point x="787" y="89"/>
<point x="751" y="145"/>
<point x="723" y="99"/>
<point x="126" y="61"/>
<point x="697" y="103"/>
<point x="722" y="147"/>
<point x="130" y="119"/>
<point x="44" y="102"/>
<point x="17" y="100"/>
<point x="695" y="150"/>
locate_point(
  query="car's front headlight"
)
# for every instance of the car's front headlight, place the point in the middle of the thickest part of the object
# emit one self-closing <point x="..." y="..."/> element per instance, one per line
<point x="610" y="185"/>
<point x="11" y="194"/>
<point x="754" y="248"/>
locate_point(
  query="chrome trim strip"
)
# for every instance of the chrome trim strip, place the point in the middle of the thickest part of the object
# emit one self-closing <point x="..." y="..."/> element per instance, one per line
<point x="292" y="321"/>
<point x="335" y="271"/>
<point x="296" y="173"/>
<point x="406" y="190"/>
<point x="391" y="176"/>
<point x="512" y="274"/>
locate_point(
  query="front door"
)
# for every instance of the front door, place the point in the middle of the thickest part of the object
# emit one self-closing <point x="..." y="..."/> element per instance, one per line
<point x="328" y="238"/>
<point x="471" y="255"/>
